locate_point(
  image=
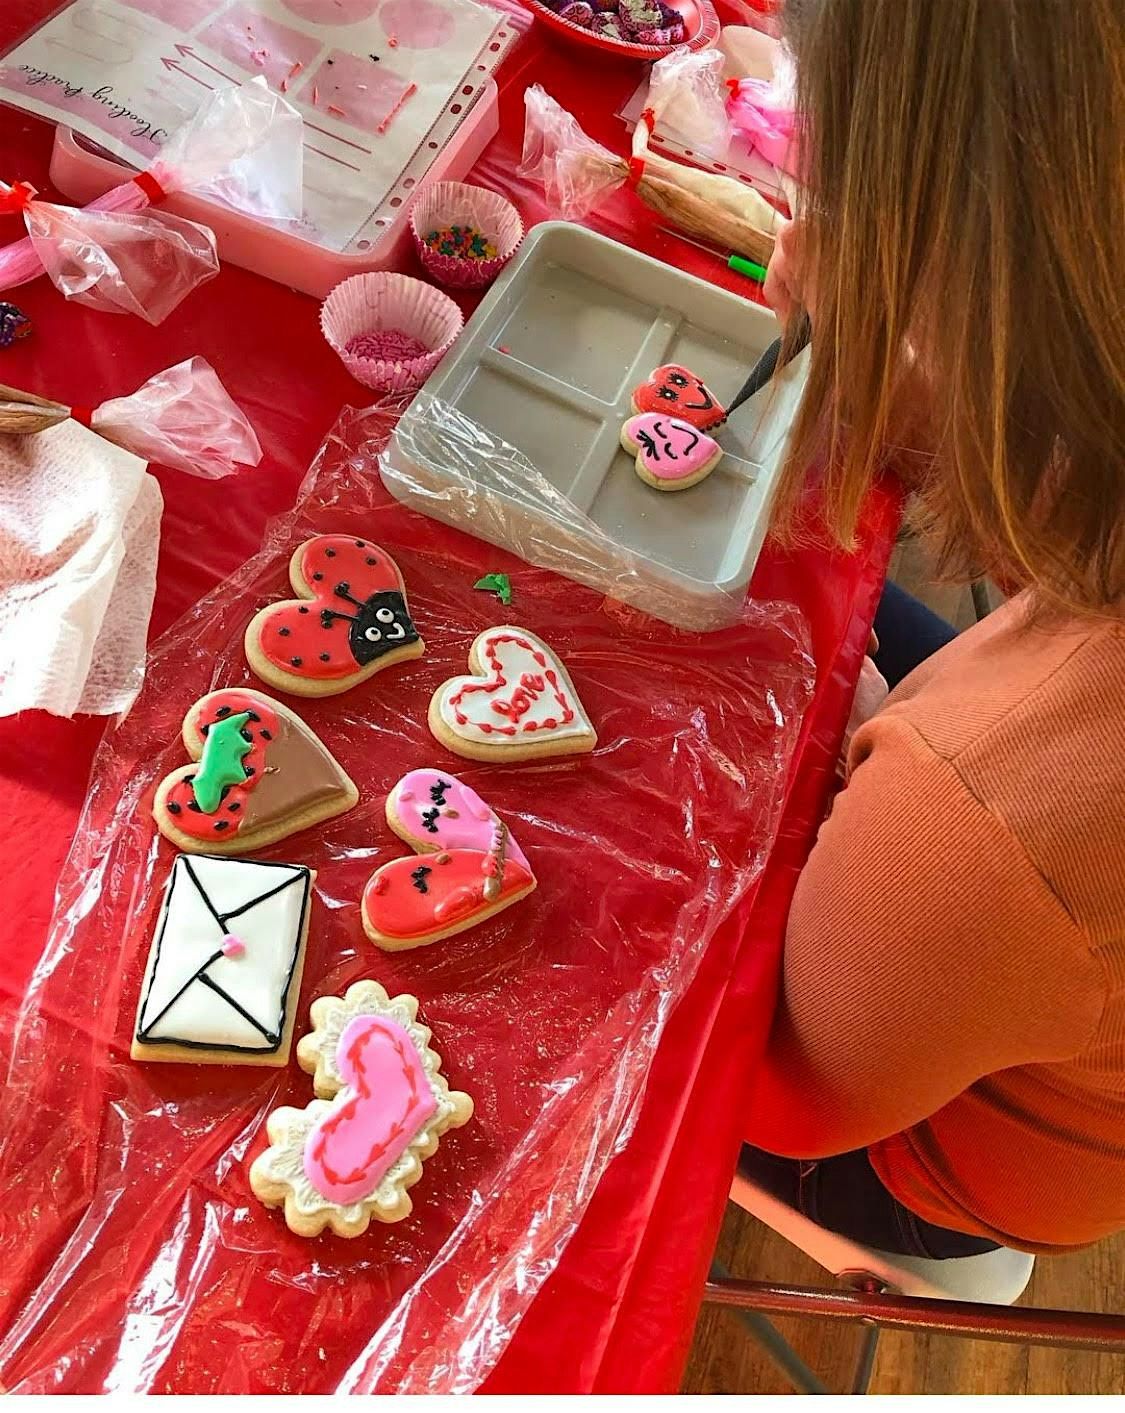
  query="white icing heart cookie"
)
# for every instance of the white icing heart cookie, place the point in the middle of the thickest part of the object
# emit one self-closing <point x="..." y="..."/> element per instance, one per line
<point x="349" y="1156"/>
<point x="520" y="703"/>
<point x="471" y="869"/>
<point x="671" y="454"/>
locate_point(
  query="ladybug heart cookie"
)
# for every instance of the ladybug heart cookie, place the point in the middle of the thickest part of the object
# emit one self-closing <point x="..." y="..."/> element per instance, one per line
<point x="350" y="620"/>
<point x="676" y="391"/>
<point x="471" y="868"/>
<point x="670" y="454"/>
<point x="258" y="775"/>
<point x="520" y="703"/>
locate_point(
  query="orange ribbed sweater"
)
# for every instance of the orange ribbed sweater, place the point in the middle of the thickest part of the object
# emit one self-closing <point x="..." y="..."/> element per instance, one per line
<point x="954" y="972"/>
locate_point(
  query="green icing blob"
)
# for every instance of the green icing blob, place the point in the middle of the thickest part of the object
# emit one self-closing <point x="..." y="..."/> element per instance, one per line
<point x="498" y="584"/>
<point x="221" y="763"/>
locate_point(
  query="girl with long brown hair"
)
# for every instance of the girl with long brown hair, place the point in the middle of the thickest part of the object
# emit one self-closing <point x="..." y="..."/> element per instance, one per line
<point x="947" y="1064"/>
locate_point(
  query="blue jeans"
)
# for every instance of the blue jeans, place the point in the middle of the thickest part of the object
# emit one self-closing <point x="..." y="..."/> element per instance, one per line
<point x="844" y="1193"/>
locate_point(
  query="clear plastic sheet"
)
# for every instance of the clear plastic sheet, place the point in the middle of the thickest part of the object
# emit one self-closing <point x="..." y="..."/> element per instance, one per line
<point x="440" y="462"/>
<point x="242" y="147"/>
<point x="135" y="1256"/>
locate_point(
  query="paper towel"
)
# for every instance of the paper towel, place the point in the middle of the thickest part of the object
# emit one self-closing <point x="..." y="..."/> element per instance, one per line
<point x="79" y="533"/>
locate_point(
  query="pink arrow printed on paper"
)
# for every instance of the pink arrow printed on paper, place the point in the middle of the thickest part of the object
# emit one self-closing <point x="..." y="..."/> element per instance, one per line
<point x="178" y="67"/>
<point x="187" y="52"/>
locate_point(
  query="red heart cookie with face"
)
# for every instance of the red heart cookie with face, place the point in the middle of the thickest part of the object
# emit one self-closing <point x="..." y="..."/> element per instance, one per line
<point x="350" y="621"/>
<point x="412" y="901"/>
<point x="677" y="392"/>
<point x="259" y="775"/>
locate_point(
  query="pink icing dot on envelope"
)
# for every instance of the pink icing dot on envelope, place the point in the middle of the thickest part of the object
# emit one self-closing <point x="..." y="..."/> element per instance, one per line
<point x="233" y="946"/>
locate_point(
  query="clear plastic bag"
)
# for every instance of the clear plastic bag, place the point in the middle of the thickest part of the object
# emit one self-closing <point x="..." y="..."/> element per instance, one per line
<point x="136" y="1257"/>
<point x="183" y="418"/>
<point x="242" y="147"/>
<point x="119" y="262"/>
<point x="575" y="172"/>
<point x="686" y="93"/>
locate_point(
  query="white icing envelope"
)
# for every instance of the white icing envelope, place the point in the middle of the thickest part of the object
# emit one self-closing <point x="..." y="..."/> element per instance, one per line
<point x="224" y="955"/>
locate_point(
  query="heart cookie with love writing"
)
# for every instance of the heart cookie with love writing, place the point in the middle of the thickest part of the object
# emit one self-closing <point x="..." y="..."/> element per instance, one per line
<point x="678" y="392"/>
<point x="670" y="454"/>
<point x="471" y="868"/>
<point x="258" y="774"/>
<point x="519" y="704"/>
<point x="350" y="620"/>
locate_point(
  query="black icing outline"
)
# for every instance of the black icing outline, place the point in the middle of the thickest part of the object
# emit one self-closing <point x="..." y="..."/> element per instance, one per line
<point x="300" y="871"/>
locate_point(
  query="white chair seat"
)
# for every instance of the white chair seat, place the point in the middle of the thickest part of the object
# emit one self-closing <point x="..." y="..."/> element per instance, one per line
<point x="996" y="1277"/>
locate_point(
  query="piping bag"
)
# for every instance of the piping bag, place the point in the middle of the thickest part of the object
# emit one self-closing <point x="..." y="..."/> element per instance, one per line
<point x="80" y="531"/>
<point x="242" y="148"/>
<point x="577" y="173"/>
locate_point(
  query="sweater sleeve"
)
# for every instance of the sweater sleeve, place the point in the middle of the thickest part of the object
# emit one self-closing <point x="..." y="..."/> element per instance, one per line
<point x="923" y="951"/>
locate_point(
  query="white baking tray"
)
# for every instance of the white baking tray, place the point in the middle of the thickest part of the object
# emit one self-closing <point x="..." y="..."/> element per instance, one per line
<point x="547" y="365"/>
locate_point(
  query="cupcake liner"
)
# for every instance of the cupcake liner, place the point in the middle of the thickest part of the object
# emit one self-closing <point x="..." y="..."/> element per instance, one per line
<point x="457" y="203"/>
<point x="389" y="330"/>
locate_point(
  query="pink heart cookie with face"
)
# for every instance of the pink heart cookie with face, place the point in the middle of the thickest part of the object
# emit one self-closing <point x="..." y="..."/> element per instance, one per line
<point x="670" y="454"/>
<point x="432" y="810"/>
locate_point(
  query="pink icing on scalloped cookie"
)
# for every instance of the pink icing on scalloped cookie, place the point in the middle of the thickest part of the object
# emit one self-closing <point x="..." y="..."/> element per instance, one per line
<point x="387" y="1100"/>
<point x="668" y="449"/>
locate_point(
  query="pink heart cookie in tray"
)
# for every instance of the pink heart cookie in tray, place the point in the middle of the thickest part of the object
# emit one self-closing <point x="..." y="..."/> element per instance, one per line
<point x="670" y="454"/>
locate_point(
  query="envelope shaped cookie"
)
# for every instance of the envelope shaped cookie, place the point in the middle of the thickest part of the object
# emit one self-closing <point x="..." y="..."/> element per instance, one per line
<point x="224" y="971"/>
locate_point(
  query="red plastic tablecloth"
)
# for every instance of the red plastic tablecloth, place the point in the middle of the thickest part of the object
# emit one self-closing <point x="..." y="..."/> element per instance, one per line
<point x="618" y="1314"/>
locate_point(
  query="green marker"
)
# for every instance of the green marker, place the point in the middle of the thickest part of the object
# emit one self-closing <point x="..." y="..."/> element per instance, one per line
<point x="747" y="267"/>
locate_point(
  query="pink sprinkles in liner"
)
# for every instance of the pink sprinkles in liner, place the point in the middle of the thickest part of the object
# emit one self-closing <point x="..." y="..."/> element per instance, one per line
<point x="387" y="346"/>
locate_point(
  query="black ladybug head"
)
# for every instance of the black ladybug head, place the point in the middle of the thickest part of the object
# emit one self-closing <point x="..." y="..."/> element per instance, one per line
<point x="381" y="625"/>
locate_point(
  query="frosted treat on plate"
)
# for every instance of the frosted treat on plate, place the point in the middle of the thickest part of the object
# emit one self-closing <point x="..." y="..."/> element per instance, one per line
<point x="519" y="703"/>
<point x="348" y="1158"/>
<point x="224" y="967"/>
<point x="349" y="620"/>
<point x="669" y="454"/>
<point x="258" y="775"/>
<point x="675" y="391"/>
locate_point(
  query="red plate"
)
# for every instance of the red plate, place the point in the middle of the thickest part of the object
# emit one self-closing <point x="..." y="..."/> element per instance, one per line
<point x="701" y="27"/>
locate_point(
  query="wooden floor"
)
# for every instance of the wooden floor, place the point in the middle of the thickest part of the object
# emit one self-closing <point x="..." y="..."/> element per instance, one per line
<point x="726" y="1359"/>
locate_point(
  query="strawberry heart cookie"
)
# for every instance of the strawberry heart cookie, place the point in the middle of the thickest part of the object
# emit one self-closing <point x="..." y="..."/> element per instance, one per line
<point x="471" y="867"/>
<point x="349" y="1156"/>
<point x="349" y="621"/>
<point x="259" y="775"/>
<point x="520" y="703"/>
<point x="670" y="454"/>
<point x="677" y="392"/>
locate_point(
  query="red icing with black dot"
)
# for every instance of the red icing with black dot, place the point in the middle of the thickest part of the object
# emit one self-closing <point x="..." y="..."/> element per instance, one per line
<point x="263" y="728"/>
<point x="312" y="637"/>
<point x="426" y="893"/>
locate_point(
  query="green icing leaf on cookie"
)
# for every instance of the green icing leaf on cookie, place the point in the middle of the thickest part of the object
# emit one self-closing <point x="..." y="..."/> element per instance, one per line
<point x="498" y="584"/>
<point x="221" y="763"/>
